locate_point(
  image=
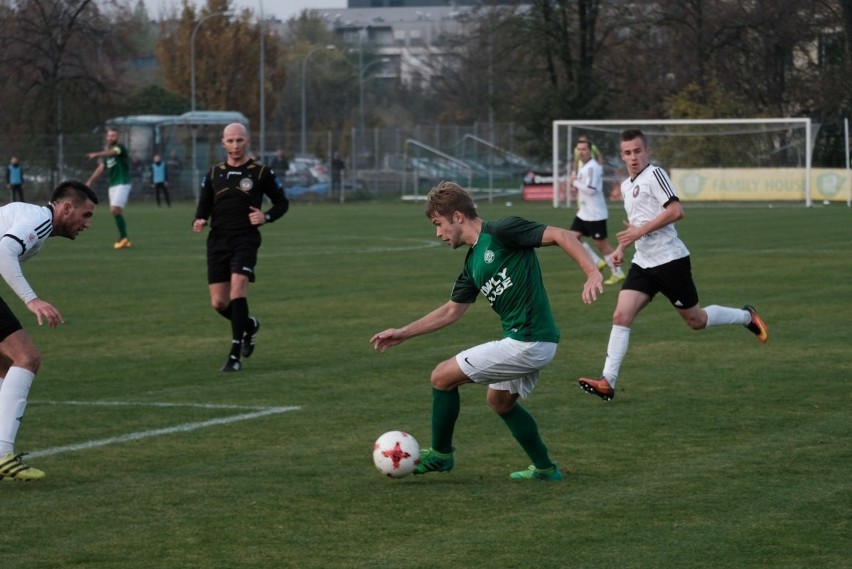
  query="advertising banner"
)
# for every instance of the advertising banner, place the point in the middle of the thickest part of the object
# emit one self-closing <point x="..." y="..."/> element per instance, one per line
<point x="760" y="184"/>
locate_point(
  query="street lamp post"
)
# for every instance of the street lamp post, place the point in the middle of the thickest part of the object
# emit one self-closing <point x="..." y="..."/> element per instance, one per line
<point x="304" y="82"/>
<point x="361" y="73"/>
<point x="262" y="101"/>
<point x="226" y="14"/>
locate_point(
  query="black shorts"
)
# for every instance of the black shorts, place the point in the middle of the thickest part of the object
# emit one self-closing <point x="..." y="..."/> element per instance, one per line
<point x="229" y="254"/>
<point x="9" y="323"/>
<point x="593" y="229"/>
<point x="673" y="279"/>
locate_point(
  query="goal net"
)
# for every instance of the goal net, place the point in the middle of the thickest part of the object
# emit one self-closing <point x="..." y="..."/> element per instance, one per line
<point x="755" y="160"/>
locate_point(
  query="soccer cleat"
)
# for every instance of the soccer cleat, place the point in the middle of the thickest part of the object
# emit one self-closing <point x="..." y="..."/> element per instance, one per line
<point x="602" y="264"/>
<point x="533" y="473"/>
<point x="11" y="468"/>
<point x="122" y="243"/>
<point x="249" y="338"/>
<point x="599" y="386"/>
<point x="757" y="326"/>
<point x="614" y="279"/>
<point x="434" y="461"/>
<point x="233" y="364"/>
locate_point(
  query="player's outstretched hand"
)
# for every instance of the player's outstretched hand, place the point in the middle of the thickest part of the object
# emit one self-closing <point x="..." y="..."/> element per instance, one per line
<point x="387" y="339"/>
<point x="45" y="312"/>
<point x="593" y="287"/>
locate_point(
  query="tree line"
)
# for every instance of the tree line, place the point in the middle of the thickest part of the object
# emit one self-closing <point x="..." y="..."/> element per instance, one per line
<point x="69" y="65"/>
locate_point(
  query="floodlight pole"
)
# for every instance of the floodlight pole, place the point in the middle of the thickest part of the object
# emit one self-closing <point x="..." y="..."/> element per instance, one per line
<point x="304" y="94"/>
<point x="226" y="14"/>
<point x="262" y="82"/>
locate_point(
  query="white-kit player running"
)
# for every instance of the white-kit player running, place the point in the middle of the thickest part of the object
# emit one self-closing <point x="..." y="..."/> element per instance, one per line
<point x="592" y="212"/>
<point x="660" y="264"/>
<point x="24" y="228"/>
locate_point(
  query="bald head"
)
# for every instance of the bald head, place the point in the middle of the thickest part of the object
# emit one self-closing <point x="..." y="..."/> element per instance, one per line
<point x="235" y="141"/>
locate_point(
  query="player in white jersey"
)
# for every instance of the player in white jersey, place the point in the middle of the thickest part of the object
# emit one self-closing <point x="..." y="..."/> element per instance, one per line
<point x="660" y="264"/>
<point x="23" y="230"/>
<point x="592" y="212"/>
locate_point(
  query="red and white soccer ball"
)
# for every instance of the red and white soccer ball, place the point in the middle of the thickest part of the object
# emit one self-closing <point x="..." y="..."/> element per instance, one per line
<point x="396" y="454"/>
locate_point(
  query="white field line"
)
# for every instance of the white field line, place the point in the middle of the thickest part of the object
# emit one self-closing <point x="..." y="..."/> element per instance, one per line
<point x="138" y="435"/>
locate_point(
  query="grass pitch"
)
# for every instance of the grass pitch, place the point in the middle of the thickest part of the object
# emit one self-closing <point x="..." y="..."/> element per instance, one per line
<point x="717" y="451"/>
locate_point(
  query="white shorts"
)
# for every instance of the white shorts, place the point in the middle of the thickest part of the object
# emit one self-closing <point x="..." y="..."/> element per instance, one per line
<point x="118" y="195"/>
<point x="507" y="364"/>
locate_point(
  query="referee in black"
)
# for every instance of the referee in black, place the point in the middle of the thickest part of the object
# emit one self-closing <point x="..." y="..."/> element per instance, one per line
<point x="231" y="198"/>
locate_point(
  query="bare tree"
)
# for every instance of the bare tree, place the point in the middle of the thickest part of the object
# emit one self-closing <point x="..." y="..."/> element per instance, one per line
<point x="59" y="56"/>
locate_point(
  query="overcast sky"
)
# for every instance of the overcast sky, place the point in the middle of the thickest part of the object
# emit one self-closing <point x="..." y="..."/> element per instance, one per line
<point x="282" y="9"/>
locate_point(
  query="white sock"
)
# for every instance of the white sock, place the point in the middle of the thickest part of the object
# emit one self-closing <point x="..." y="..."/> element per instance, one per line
<point x="13" y="401"/>
<point x="722" y="316"/>
<point x="619" y="339"/>
<point x="595" y="259"/>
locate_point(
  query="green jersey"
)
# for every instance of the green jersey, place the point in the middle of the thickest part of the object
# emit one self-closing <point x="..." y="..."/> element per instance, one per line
<point x="503" y="266"/>
<point x="118" y="166"/>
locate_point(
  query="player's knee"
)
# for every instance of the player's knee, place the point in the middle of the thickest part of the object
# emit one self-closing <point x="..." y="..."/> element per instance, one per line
<point x="439" y="380"/>
<point x="501" y="407"/>
<point x="501" y="402"/>
<point x="29" y="359"/>
<point x="219" y="304"/>
<point x="620" y="318"/>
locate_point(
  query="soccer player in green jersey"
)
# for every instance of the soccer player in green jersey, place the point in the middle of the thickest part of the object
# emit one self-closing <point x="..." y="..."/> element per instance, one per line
<point x="117" y="163"/>
<point x="501" y="264"/>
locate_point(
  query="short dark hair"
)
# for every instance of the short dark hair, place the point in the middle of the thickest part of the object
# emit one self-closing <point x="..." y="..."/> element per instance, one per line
<point x="632" y="134"/>
<point x="447" y="198"/>
<point x="77" y="192"/>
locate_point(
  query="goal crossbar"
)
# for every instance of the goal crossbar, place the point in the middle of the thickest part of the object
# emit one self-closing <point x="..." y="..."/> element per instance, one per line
<point x="565" y="131"/>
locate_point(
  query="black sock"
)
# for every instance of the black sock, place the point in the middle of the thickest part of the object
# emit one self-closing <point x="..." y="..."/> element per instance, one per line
<point x="239" y="320"/>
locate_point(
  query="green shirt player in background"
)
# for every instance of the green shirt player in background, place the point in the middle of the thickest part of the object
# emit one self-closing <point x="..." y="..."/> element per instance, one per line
<point x="117" y="162"/>
<point x="502" y="265"/>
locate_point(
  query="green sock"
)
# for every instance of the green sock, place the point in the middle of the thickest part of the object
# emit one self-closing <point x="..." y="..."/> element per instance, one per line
<point x="445" y="411"/>
<point x="122" y="226"/>
<point x="525" y="431"/>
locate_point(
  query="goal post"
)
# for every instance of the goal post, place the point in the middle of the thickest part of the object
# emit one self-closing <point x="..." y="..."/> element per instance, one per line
<point x="747" y="160"/>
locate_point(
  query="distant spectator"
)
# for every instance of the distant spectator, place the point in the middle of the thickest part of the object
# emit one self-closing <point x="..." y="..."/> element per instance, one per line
<point x="280" y="164"/>
<point x="160" y="179"/>
<point x="337" y="168"/>
<point x="15" y="180"/>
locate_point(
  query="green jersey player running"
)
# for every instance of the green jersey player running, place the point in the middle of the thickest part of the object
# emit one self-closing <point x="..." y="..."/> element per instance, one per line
<point x="502" y="265"/>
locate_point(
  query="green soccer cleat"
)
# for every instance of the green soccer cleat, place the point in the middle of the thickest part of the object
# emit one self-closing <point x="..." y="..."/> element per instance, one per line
<point x="533" y="473"/>
<point x="434" y="461"/>
<point x="11" y="468"/>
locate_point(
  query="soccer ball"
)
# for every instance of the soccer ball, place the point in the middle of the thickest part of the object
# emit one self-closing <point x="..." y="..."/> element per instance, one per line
<point x="396" y="454"/>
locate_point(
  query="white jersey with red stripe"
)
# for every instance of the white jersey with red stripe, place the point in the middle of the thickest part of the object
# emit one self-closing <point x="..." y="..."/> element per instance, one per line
<point x="24" y="228"/>
<point x="645" y="197"/>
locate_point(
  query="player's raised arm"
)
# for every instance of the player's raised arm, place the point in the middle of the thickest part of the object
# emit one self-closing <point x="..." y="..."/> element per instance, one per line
<point x="442" y="316"/>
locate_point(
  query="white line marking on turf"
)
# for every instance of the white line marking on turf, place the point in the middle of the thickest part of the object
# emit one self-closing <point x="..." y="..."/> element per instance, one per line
<point x="184" y="428"/>
<point x="150" y="404"/>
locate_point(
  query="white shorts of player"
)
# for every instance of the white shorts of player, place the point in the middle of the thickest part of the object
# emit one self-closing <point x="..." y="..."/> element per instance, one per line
<point x="118" y="195"/>
<point x="507" y="364"/>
